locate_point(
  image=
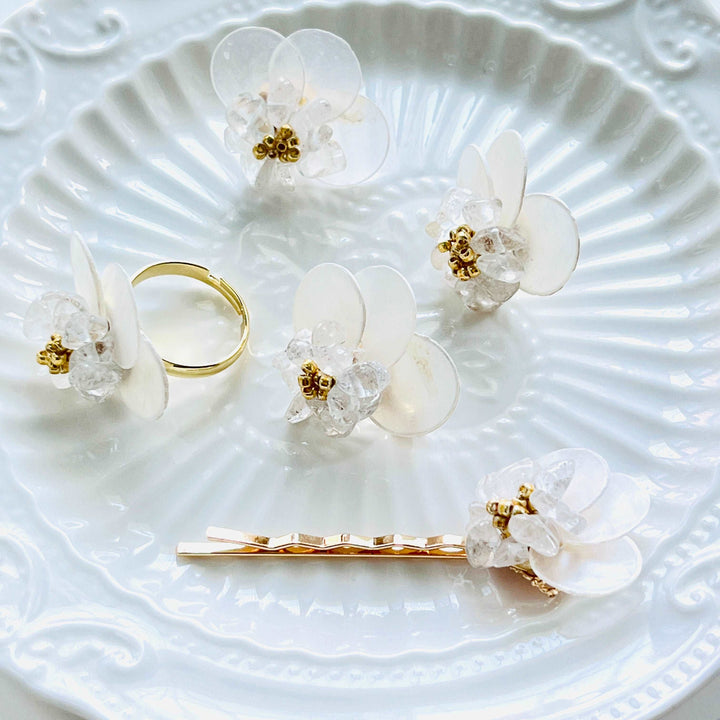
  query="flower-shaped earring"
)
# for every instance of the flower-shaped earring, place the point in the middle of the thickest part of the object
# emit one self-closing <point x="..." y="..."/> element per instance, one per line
<point x="95" y="342"/>
<point x="355" y="355"/>
<point x="562" y="521"/>
<point x="293" y="108"/>
<point x="493" y="239"/>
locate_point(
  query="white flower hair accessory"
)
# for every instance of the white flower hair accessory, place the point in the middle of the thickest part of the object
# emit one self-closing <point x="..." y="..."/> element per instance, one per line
<point x="356" y="355"/>
<point x="492" y="239"/>
<point x="95" y="342"/>
<point x="562" y="521"/>
<point x="294" y="108"/>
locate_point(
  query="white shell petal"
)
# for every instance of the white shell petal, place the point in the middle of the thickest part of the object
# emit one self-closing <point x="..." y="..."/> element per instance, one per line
<point x="121" y="312"/>
<point x="472" y="174"/>
<point x="553" y="244"/>
<point x="362" y="133"/>
<point x="589" y="479"/>
<point x="145" y="388"/>
<point x="332" y="70"/>
<point x="241" y="62"/>
<point x="507" y="166"/>
<point x="621" y="506"/>
<point x="590" y="570"/>
<point x="329" y="292"/>
<point x="390" y="314"/>
<point x="87" y="280"/>
<point x="423" y="392"/>
<point x="61" y="381"/>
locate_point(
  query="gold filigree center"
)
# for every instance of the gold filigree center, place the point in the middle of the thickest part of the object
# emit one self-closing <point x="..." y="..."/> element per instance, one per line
<point x="463" y="258"/>
<point x="503" y="510"/>
<point x="283" y="146"/>
<point x="313" y="383"/>
<point x="56" y="356"/>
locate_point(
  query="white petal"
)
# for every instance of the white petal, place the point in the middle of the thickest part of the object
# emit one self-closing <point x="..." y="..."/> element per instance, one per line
<point x="61" y="381"/>
<point x="329" y="292"/>
<point x="424" y="390"/>
<point x="332" y="70"/>
<point x="145" y="388"/>
<point x="362" y="133"/>
<point x="241" y="62"/>
<point x="621" y="506"/>
<point x="553" y="244"/>
<point x="390" y="314"/>
<point x="590" y="570"/>
<point x="121" y="312"/>
<point x="589" y="479"/>
<point x="507" y="166"/>
<point x="87" y="280"/>
<point x="472" y="174"/>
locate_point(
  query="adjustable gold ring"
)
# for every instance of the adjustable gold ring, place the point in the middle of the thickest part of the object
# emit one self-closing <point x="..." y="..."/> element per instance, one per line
<point x="198" y="272"/>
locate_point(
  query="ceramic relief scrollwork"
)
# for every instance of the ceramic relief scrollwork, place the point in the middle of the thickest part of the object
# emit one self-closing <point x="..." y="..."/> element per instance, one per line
<point x="672" y="32"/>
<point x="21" y="82"/>
<point x="71" y="28"/>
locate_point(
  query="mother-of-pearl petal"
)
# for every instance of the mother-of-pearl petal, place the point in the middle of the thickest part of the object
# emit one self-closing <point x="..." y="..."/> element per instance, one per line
<point x="241" y="62"/>
<point x="145" y="388"/>
<point x="362" y="133"/>
<point x="330" y="292"/>
<point x="423" y="392"/>
<point x="590" y="570"/>
<point x="87" y="280"/>
<point x="506" y="164"/>
<point x="553" y="244"/>
<point x="473" y="175"/>
<point x="620" y="507"/>
<point x="332" y="70"/>
<point x="121" y="312"/>
<point x="390" y="314"/>
<point x="589" y="479"/>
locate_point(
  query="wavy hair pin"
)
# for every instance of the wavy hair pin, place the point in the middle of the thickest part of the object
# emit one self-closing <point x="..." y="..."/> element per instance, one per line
<point x="562" y="522"/>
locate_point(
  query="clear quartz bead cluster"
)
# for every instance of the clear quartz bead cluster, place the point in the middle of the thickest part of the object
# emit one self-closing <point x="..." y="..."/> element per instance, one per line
<point x="256" y="127"/>
<point x="85" y="337"/>
<point x="328" y="381"/>
<point x="518" y="509"/>
<point x="484" y="262"/>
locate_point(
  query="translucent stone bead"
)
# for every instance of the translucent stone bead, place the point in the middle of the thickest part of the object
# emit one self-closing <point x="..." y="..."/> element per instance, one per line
<point x="485" y="293"/>
<point x="557" y="510"/>
<point x="299" y="349"/>
<point x="536" y="532"/>
<point x="298" y="410"/>
<point x="83" y="328"/>
<point x="343" y="408"/>
<point x="310" y="117"/>
<point x="451" y="208"/>
<point x="49" y="313"/>
<point x="481" y="541"/>
<point x="93" y="373"/>
<point x="479" y="214"/>
<point x="510" y="552"/>
<point x="328" y="159"/>
<point x="246" y="115"/>
<point x="327" y="334"/>
<point x="556" y="479"/>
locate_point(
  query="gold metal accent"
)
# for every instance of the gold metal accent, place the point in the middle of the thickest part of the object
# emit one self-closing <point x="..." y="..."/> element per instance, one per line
<point x="202" y="274"/>
<point x="56" y="356"/>
<point x="283" y="146"/>
<point x="503" y="510"/>
<point x="463" y="258"/>
<point x="314" y="383"/>
<point x="233" y="542"/>
<point x="526" y="572"/>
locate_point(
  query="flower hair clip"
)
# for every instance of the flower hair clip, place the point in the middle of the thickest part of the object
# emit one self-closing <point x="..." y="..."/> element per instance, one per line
<point x="561" y="522"/>
<point x="96" y="345"/>
<point x="355" y="354"/>
<point x="492" y="239"/>
<point x="294" y="108"/>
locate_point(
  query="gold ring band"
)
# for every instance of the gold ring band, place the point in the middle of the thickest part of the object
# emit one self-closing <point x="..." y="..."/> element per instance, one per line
<point x="198" y="272"/>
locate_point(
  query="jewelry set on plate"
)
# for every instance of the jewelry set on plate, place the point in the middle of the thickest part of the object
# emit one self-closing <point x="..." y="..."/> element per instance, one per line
<point x="295" y="115"/>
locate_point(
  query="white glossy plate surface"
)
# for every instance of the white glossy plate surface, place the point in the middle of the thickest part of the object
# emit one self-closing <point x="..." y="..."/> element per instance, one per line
<point x="624" y="360"/>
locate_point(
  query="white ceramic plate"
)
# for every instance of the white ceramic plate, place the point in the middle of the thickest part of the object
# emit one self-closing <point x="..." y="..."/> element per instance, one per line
<point x="94" y="608"/>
